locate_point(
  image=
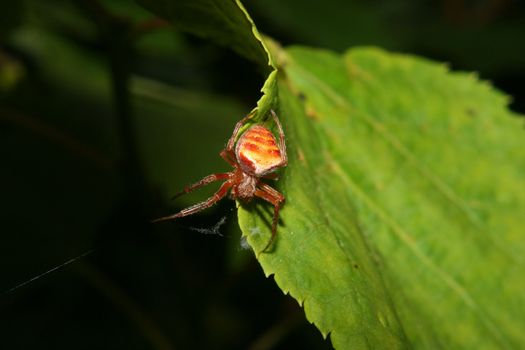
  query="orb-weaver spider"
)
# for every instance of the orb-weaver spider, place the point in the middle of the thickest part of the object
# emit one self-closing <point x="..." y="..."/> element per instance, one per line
<point x="255" y="156"/>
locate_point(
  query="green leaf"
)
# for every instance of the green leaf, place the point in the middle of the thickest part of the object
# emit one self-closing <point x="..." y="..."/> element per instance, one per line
<point x="405" y="200"/>
<point x="223" y="21"/>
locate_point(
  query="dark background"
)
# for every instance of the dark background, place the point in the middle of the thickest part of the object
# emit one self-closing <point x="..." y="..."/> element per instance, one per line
<point x="105" y="111"/>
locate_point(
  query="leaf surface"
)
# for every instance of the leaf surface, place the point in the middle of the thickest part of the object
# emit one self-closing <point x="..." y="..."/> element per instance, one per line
<point x="404" y="191"/>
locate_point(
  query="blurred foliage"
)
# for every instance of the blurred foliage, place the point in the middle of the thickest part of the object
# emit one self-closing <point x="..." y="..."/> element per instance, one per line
<point x="225" y="22"/>
<point x="480" y="35"/>
<point x="420" y="27"/>
<point x="106" y="109"/>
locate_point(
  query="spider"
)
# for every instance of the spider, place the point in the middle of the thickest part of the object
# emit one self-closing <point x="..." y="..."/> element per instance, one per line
<point x="256" y="156"/>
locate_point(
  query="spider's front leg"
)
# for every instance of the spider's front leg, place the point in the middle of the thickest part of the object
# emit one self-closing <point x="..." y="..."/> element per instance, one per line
<point x="238" y="126"/>
<point x="271" y="195"/>
<point x="229" y="157"/>
<point x="228" y="153"/>
<point x="220" y="194"/>
<point x="208" y="179"/>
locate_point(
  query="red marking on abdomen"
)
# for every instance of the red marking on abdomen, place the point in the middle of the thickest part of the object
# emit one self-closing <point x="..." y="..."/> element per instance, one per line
<point x="275" y="152"/>
<point x="246" y="163"/>
<point x="257" y="150"/>
<point x="258" y="139"/>
<point x="252" y="147"/>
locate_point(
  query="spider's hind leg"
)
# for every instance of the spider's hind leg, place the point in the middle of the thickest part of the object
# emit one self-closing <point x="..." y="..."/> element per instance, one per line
<point x="271" y="195"/>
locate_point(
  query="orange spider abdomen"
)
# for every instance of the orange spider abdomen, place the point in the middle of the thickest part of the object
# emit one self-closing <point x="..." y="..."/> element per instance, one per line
<point x="257" y="151"/>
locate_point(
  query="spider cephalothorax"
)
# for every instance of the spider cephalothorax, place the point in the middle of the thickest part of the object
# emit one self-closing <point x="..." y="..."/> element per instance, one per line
<point x="255" y="156"/>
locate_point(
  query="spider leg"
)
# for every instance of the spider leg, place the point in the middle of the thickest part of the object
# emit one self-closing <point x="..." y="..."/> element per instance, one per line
<point x="238" y="126"/>
<point x="208" y="179"/>
<point x="282" y="143"/>
<point x="229" y="157"/>
<point x="228" y="154"/>
<point x="220" y="194"/>
<point x="271" y="176"/>
<point x="271" y="195"/>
